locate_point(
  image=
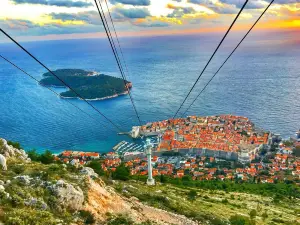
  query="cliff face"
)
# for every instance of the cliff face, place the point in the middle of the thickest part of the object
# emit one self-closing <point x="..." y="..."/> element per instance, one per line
<point x="103" y="200"/>
<point x="9" y="151"/>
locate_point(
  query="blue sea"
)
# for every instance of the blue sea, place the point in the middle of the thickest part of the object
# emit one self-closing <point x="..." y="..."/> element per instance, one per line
<point x="261" y="81"/>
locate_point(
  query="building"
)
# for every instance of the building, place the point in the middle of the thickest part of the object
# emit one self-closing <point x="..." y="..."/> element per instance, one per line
<point x="135" y="132"/>
<point x="246" y="156"/>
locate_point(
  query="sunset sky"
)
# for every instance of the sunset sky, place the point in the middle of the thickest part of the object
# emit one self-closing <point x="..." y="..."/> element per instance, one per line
<point x="63" y="19"/>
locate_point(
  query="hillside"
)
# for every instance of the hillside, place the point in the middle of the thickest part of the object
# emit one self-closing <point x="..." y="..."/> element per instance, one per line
<point x="89" y="85"/>
<point x="35" y="193"/>
<point x="214" y="206"/>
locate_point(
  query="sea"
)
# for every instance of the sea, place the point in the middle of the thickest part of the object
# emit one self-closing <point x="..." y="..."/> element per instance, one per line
<point x="260" y="81"/>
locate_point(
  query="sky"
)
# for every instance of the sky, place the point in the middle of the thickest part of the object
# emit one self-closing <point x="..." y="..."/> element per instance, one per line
<point x="31" y="20"/>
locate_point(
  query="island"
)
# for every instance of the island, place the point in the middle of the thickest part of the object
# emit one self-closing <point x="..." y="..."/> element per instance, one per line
<point x="89" y="85"/>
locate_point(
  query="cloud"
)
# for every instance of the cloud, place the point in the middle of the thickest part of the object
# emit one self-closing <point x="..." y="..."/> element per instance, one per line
<point x="253" y="4"/>
<point x="179" y="12"/>
<point x="54" y="26"/>
<point x="205" y="2"/>
<point x="218" y="8"/>
<point x="150" y="22"/>
<point x="287" y="1"/>
<point x="225" y="9"/>
<point x="89" y="17"/>
<point x="14" y="24"/>
<point x="61" y="3"/>
<point x="132" y="2"/>
<point x="131" y="13"/>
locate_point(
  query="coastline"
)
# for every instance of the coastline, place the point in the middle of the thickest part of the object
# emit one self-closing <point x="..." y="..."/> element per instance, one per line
<point x="98" y="99"/>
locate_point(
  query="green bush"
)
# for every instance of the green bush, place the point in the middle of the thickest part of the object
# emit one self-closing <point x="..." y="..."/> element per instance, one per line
<point x="119" y="220"/>
<point x="96" y="166"/>
<point x="87" y="216"/>
<point x="33" y="155"/>
<point x="28" y="217"/>
<point x="192" y="195"/>
<point x="14" y="144"/>
<point x="45" y="158"/>
<point x="121" y="173"/>
<point x="253" y="213"/>
<point x="18" y="169"/>
<point x="225" y="201"/>
<point x="240" y="220"/>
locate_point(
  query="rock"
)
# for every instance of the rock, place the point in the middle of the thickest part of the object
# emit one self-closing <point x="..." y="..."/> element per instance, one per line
<point x="31" y="202"/>
<point x="68" y="196"/>
<point x="8" y="182"/>
<point x="1" y="182"/>
<point x="3" y="162"/>
<point x="24" y="179"/>
<point x="60" y="183"/>
<point x="89" y="171"/>
<point x="34" y="202"/>
<point x="9" y="151"/>
<point x="2" y="188"/>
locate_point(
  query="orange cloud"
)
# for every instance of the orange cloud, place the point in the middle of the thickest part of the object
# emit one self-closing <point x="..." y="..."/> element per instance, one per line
<point x="171" y="6"/>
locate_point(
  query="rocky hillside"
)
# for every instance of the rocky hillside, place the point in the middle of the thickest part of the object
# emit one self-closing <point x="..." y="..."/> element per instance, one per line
<point x="36" y="193"/>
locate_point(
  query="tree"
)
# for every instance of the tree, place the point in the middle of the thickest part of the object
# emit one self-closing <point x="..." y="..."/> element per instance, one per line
<point x="47" y="157"/>
<point x="296" y="151"/>
<point x="121" y="173"/>
<point x="192" y="195"/>
<point x="186" y="179"/>
<point x="288" y="143"/>
<point x="96" y="166"/>
<point x="33" y="155"/>
<point x="273" y="147"/>
<point x="163" y="178"/>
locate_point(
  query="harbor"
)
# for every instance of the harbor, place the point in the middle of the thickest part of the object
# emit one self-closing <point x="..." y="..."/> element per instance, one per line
<point x="125" y="147"/>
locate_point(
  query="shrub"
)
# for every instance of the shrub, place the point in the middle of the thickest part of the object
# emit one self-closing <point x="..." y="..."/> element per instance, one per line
<point x="87" y="216"/>
<point x="18" y="169"/>
<point x="14" y="144"/>
<point x="33" y="155"/>
<point x="120" y="220"/>
<point x="47" y="157"/>
<point x="16" y="200"/>
<point x="121" y="173"/>
<point x="29" y="217"/>
<point x="264" y="215"/>
<point x="192" y="195"/>
<point x="253" y="213"/>
<point x="240" y="220"/>
<point x="225" y="201"/>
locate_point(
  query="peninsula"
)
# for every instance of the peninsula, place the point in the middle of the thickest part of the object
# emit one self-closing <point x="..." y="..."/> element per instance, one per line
<point x="90" y="85"/>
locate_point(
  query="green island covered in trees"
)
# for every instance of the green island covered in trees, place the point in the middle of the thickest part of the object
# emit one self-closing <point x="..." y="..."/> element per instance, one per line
<point x="89" y="85"/>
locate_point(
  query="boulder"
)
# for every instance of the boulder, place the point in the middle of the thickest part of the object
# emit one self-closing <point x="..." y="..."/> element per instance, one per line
<point x="89" y="172"/>
<point x="25" y="179"/>
<point x="9" y="151"/>
<point x="2" y="188"/>
<point x="3" y="162"/>
<point x="68" y="196"/>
